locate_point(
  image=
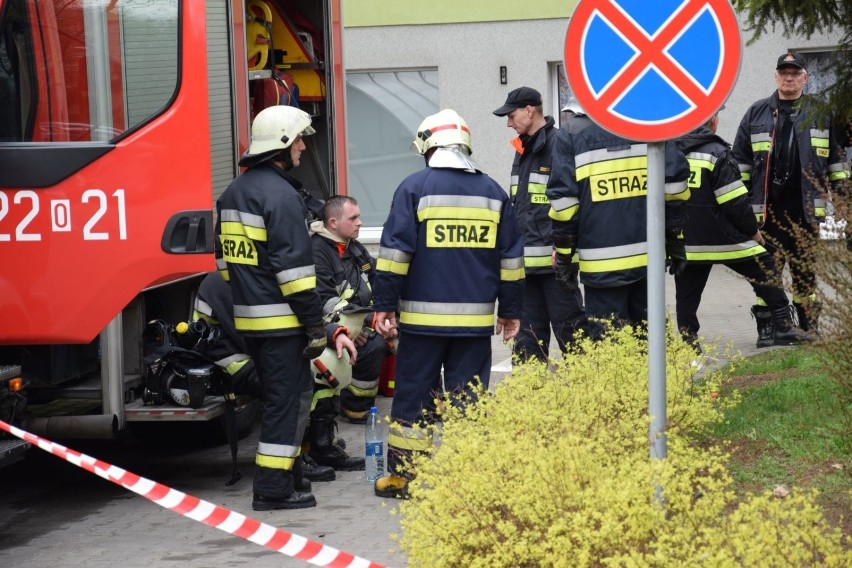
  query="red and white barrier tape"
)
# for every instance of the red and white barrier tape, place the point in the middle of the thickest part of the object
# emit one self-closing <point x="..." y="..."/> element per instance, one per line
<point x="202" y="511"/>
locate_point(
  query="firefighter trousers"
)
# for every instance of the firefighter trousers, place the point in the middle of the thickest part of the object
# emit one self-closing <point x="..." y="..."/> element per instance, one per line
<point x="759" y="271"/>
<point x="360" y="394"/>
<point x="285" y="378"/>
<point x="418" y="384"/>
<point x="785" y="236"/>
<point x="622" y="305"/>
<point x="547" y="305"/>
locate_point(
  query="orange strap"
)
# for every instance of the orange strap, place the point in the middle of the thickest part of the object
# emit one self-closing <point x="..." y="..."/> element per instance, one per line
<point x="518" y="145"/>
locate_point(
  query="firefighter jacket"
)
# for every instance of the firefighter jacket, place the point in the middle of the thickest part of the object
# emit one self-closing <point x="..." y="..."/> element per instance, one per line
<point x="719" y="221"/>
<point x="264" y="251"/>
<point x="820" y="148"/>
<point x="597" y="194"/>
<point x="450" y="248"/>
<point x="530" y="174"/>
<point x="345" y="271"/>
<point x="213" y="305"/>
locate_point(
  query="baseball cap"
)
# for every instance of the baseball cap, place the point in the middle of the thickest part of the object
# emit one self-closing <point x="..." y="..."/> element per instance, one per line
<point x="791" y="59"/>
<point x="519" y="98"/>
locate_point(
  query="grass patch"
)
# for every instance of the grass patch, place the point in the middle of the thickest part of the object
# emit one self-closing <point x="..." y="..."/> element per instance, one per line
<point x="789" y="430"/>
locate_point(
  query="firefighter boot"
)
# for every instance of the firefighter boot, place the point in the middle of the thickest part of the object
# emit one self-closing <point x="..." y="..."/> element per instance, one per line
<point x="392" y="486"/>
<point x="312" y="471"/>
<point x="785" y="332"/>
<point x="765" y="328"/>
<point x="354" y="416"/>
<point x="296" y="500"/>
<point x="808" y="316"/>
<point x="300" y="482"/>
<point x="323" y="449"/>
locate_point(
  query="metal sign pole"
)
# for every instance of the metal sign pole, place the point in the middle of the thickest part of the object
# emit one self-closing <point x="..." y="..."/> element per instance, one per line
<point x="656" y="297"/>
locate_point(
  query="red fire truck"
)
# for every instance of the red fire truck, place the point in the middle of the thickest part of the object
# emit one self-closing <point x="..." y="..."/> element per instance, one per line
<point x="121" y="122"/>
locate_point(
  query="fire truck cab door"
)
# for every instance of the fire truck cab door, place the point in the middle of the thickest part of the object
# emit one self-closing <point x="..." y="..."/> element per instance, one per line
<point x="105" y="169"/>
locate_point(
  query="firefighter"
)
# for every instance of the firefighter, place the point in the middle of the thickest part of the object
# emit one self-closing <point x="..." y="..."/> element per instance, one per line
<point x="597" y="194"/>
<point x="721" y="229"/>
<point x="213" y="304"/>
<point x="264" y="252"/>
<point x="546" y="305"/>
<point x="450" y="250"/>
<point x="345" y="272"/>
<point x="788" y="159"/>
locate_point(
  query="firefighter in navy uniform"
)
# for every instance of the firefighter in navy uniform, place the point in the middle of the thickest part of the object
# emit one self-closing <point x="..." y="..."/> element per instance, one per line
<point x="450" y="250"/>
<point x="264" y="252"/>
<point x="721" y="229"/>
<point x="546" y="305"/>
<point x="345" y="272"/>
<point x="597" y="193"/>
<point x="788" y="160"/>
<point x="213" y="304"/>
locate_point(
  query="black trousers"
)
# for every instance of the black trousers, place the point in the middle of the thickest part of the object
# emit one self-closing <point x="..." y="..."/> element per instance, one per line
<point x="784" y="236"/>
<point x="546" y="306"/>
<point x="285" y="377"/>
<point x="689" y="286"/>
<point x="625" y="304"/>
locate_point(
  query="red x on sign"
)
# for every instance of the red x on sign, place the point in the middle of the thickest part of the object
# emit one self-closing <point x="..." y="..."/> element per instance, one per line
<point x="652" y="70"/>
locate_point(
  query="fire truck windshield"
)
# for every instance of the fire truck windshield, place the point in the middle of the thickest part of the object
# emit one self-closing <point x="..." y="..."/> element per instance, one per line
<point x="84" y="70"/>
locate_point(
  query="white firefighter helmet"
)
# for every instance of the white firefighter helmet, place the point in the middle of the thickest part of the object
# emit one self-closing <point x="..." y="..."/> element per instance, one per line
<point x="328" y="363"/>
<point x="573" y="106"/>
<point x="441" y="130"/>
<point x="275" y="128"/>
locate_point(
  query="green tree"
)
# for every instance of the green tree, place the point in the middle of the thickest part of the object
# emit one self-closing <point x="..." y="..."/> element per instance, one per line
<point x="807" y="18"/>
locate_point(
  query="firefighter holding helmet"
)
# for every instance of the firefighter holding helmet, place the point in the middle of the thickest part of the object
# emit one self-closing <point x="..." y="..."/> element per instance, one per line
<point x="451" y="255"/>
<point x="264" y="251"/>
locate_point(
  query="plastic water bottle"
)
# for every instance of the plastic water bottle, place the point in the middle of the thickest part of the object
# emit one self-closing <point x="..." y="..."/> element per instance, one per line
<point x="375" y="447"/>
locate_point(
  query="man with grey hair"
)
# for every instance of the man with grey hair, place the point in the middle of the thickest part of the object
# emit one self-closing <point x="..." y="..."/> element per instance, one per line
<point x="788" y="159"/>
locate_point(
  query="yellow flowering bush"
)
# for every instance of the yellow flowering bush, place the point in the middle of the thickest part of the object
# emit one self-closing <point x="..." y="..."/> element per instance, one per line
<point x="553" y="469"/>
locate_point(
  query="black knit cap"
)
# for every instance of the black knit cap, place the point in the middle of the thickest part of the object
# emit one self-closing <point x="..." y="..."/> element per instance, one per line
<point x="519" y="98"/>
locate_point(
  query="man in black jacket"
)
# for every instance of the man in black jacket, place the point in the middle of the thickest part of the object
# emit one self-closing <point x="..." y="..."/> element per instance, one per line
<point x="345" y="272"/>
<point x="546" y="303"/>
<point x="788" y="160"/>
<point x="721" y="229"/>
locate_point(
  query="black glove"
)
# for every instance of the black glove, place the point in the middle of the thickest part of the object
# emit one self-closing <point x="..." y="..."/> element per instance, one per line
<point x="566" y="272"/>
<point x="317" y="342"/>
<point x="675" y="251"/>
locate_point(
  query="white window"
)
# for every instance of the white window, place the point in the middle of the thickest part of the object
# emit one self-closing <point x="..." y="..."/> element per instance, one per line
<point x="563" y="90"/>
<point x="384" y="108"/>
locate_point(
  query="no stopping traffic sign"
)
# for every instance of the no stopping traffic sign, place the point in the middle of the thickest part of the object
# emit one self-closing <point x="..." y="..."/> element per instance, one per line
<point x="652" y="71"/>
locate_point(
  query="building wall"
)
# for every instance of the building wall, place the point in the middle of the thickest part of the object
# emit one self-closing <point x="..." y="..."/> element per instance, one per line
<point x="468" y="57"/>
